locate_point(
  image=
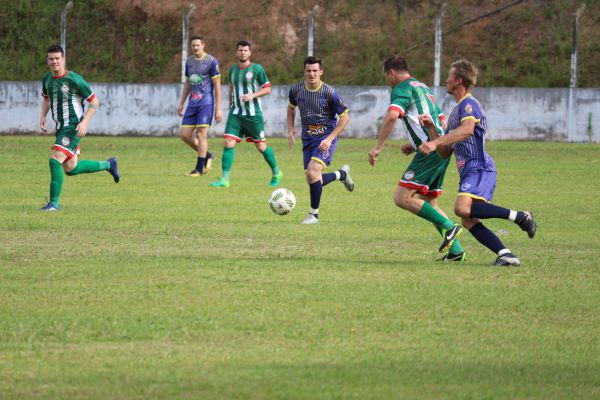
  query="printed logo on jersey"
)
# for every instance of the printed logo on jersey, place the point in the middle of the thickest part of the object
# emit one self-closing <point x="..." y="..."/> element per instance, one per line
<point x="469" y="109"/>
<point x="322" y="101"/>
<point x="195" y="79"/>
<point x="65" y="141"/>
<point x="196" y="96"/>
<point x="316" y="130"/>
<point x="65" y="89"/>
<point x="249" y="75"/>
<point x="409" y="175"/>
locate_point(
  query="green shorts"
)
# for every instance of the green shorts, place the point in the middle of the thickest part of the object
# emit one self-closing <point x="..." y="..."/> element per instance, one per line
<point x="251" y="128"/>
<point x="67" y="142"/>
<point x="426" y="174"/>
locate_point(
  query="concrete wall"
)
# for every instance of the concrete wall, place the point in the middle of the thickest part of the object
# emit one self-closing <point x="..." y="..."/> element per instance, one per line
<point x="151" y="109"/>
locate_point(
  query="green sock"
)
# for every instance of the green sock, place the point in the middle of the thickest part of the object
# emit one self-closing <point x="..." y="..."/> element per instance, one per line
<point x="87" y="167"/>
<point x="227" y="162"/>
<point x="269" y="157"/>
<point x="56" y="181"/>
<point x="430" y="214"/>
<point x="456" y="248"/>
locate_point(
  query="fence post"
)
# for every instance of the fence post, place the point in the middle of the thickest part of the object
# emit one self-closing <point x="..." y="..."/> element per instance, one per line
<point x="571" y="126"/>
<point x="185" y="38"/>
<point x="63" y="27"/>
<point x="438" y="45"/>
<point x="310" y="21"/>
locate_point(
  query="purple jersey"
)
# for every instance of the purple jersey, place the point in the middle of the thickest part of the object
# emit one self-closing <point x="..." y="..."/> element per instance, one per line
<point x="200" y="73"/>
<point x="318" y="109"/>
<point x="470" y="153"/>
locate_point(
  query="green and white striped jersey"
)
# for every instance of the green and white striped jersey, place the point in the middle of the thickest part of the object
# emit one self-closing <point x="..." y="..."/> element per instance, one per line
<point x="411" y="98"/>
<point x="66" y="94"/>
<point x="245" y="81"/>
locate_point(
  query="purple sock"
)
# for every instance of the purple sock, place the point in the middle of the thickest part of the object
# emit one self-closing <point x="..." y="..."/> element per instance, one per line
<point x="486" y="237"/>
<point x="316" y="188"/>
<point x="483" y="210"/>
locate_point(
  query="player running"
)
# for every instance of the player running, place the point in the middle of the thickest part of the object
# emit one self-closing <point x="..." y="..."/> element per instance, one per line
<point x="467" y="127"/>
<point x="319" y="103"/>
<point x="64" y="92"/>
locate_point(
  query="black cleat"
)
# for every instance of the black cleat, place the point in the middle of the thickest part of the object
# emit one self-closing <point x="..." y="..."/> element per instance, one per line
<point x="450" y="236"/>
<point x="507" y="260"/>
<point x="453" y="257"/>
<point x="527" y="224"/>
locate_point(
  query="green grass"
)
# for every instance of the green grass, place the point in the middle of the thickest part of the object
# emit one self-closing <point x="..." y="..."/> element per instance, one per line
<point x="161" y="287"/>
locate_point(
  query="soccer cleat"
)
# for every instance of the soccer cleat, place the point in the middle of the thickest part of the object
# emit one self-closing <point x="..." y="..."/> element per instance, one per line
<point x="450" y="236"/>
<point x="220" y="183"/>
<point x="310" y="219"/>
<point x="114" y="169"/>
<point x="507" y="260"/>
<point x="194" y="173"/>
<point x="348" y="182"/>
<point x="276" y="179"/>
<point x="50" y="207"/>
<point x="527" y="224"/>
<point x="208" y="164"/>
<point x="453" y="257"/>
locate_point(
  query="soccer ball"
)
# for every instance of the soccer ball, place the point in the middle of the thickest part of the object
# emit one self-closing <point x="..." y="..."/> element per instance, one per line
<point x="282" y="201"/>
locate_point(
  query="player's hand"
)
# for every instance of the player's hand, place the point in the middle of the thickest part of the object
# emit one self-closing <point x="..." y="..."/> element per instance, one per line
<point x="180" y="110"/>
<point x="407" y="149"/>
<point x="43" y="124"/>
<point x="291" y="139"/>
<point x="246" y="97"/>
<point x="325" y="144"/>
<point x="81" y="129"/>
<point x="425" y="120"/>
<point x="218" y="116"/>
<point x="373" y="154"/>
<point x="428" y="147"/>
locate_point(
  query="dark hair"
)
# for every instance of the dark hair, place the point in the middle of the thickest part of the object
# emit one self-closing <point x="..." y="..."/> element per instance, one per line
<point x="197" y="37"/>
<point x="312" y="60"/>
<point x="467" y="71"/>
<point x="396" y="63"/>
<point x="55" y="49"/>
<point x="244" y="43"/>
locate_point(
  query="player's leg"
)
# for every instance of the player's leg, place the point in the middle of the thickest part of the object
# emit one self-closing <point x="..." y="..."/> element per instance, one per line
<point x="313" y="172"/>
<point x="342" y="174"/>
<point x="203" y="122"/>
<point x="57" y="158"/>
<point x="455" y="252"/>
<point x="73" y="166"/>
<point x="269" y="156"/>
<point x="233" y="135"/>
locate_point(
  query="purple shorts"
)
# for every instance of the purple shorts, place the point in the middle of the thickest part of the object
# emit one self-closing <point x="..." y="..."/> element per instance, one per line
<point x="311" y="151"/>
<point x="198" y="116"/>
<point x="478" y="184"/>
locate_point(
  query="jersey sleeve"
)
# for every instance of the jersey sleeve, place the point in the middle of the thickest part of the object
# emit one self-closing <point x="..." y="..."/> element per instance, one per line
<point x="84" y="89"/>
<point x="338" y="104"/>
<point x="214" y="69"/>
<point x="261" y="78"/>
<point x="400" y="101"/>
<point x="187" y="72"/>
<point x="44" y="88"/>
<point x="469" y="109"/>
<point x="292" y="101"/>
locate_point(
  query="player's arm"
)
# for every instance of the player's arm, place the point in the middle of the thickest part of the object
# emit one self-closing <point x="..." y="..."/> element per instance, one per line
<point x="45" y="109"/>
<point x="217" y="86"/>
<point x="384" y="133"/>
<point x="82" y="126"/>
<point x="264" y="90"/>
<point x="184" y="94"/>
<point x="459" y="134"/>
<point x="291" y="116"/>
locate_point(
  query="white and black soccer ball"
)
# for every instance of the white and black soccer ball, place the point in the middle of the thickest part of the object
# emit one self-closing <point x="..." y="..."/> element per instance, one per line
<point x="282" y="201"/>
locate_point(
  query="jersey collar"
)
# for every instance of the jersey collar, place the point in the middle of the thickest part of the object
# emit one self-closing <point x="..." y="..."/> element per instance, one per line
<point x="313" y="90"/>
<point x="60" y="76"/>
<point x="464" y="97"/>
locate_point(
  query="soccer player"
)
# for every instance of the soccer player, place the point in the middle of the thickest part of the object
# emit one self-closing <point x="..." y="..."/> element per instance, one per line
<point x="467" y="127"/>
<point x="64" y="92"/>
<point x="202" y="79"/>
<point x="319" y="103"/>
<point x="421" y="184"/>
<point x="249" y="82"/>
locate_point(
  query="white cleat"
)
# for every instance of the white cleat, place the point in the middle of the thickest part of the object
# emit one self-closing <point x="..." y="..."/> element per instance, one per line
<point x="310" y="219"/>
<point x="348" y="182"/>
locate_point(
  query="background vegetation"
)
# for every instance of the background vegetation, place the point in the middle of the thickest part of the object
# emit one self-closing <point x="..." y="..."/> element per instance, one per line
<point x="528" y="45"/>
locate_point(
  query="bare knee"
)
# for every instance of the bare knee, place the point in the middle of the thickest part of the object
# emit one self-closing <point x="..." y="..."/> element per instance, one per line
<point x="462" y="210"/>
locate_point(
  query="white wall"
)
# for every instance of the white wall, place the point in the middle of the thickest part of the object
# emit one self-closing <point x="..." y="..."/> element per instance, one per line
<point x="151" y="109"/>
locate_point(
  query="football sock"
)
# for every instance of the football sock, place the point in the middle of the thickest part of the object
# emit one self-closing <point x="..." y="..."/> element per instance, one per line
<point x="200" y="163"/>
<point x="88" y="167"/>
<point x="456" y="248"/>
<point x="316" y="189"/>
<point x="329" y="177"/>
<point x="56" y="181"/>
<point x="487" y="237"/>
<point x="342" y="174"/>
<point x="315" y="212"/>
<point x="227" y="162"/>
<point x="208" y="155"/>
<point x="432" y="215"/>
<point x="483" y="210"/>
<point x="269" y="157"/>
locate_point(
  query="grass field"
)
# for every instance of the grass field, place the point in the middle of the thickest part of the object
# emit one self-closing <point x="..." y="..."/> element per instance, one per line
<point x="163" y="288"/>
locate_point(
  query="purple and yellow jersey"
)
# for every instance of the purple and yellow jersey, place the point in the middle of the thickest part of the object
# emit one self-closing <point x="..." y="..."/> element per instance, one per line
<point x="411" y="98"/>
<point x="66" y="94"/>
<point x="470" y="153"/>
<point x="200" y="73"/>
<point x="318" y="109"/>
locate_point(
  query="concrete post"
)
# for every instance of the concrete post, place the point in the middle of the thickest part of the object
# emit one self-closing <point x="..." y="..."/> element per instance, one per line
<point x="310" y="21"/>
<point x="571" y="126"/>
<point x="63" y="27"/>
<point x="185" y="38"/>
<point x="438" y="45"/>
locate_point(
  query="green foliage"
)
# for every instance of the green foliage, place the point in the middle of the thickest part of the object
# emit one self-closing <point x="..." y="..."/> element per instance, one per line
<point x="161" y="287"/>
